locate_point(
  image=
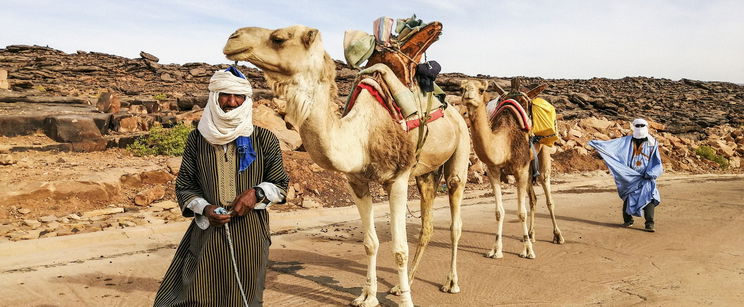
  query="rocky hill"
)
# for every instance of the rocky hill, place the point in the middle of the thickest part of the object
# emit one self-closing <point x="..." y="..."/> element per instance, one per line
<point x="62" y="117"/>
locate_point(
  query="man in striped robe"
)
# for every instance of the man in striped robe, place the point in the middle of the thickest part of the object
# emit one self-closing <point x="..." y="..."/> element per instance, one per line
<point x="232" y="164"/>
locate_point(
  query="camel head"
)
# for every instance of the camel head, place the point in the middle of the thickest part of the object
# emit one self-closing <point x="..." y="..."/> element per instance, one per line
<point x="473" y="92"/>
<point x="281" y="54"/>
<point x="293" y="61"/>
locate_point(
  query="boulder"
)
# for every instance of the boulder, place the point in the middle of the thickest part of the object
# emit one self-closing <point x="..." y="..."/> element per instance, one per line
<point x="148" y="196"/>
<point x="600" y="125"/>
<point x="174" y="165"/>
<point x="156" y="177"/>
<point x="108" y="103"/>
<point x="149" y="57"/>
<point x="266" y="117"/>
<point x="72" y="128"/>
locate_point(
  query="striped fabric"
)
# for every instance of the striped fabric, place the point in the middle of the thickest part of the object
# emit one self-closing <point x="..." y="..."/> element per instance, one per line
<point x="201" y="273"/>
<point x="382" y="28"/>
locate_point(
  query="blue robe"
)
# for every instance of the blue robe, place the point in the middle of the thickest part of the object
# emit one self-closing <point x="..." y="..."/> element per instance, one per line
<point x="635" y="175"/>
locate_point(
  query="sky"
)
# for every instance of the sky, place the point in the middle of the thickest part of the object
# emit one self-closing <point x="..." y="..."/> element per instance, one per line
<point x="567" y="39"/>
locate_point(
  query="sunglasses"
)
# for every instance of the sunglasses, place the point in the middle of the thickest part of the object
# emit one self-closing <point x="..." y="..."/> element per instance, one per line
<point x="640" y="125"/>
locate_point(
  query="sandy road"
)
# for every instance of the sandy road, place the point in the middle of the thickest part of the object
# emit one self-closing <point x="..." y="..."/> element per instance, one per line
<point x="695" y="258"/>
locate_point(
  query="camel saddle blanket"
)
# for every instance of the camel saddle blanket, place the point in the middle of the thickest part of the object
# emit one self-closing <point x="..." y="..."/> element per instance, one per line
<point x="404" y="58"/>
<point x="378" y="89"/>
<point x="516" y="108"/>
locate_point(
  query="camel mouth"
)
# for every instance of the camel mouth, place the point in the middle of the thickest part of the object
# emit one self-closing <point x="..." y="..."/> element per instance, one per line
<point x="234" y="54"/>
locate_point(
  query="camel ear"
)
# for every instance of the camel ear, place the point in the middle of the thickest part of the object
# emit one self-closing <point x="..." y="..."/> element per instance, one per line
<point x="499" y="90"/>
<point x="484" y="83"/>
<point x="309" y="37"/>
<point x="536" y="91"/>
<point x="462" y="82"/>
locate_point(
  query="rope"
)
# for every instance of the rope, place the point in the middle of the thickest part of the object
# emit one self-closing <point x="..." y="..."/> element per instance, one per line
<point x="221" y="210"/>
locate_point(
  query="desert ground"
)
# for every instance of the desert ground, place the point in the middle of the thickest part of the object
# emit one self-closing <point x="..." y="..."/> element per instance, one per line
<point x="696" y="257"/>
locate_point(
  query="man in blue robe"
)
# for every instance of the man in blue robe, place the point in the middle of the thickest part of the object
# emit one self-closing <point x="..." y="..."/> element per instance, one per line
<point x="635" y="163"/>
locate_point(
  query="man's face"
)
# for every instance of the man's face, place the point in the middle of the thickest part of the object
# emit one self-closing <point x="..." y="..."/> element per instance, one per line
<point x="229" y="102"/>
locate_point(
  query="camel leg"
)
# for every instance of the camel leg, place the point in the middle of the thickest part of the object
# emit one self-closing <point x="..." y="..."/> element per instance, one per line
<point x="398" y="194"/>
<point x="363" y="199"/>
<point x="522" y="182"/>
<point x="494" y="175"/>
<point x="428" y="190"/>
<point x="545" y="167"/>
<point x="456" y="189"/>
<point x="533" y="205"/>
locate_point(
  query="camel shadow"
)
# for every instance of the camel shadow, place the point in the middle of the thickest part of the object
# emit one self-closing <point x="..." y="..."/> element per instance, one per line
<point x="285" y="261"/>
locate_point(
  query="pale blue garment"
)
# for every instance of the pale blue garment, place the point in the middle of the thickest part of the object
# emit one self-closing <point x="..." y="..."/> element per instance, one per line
<point x="635" y="176"/>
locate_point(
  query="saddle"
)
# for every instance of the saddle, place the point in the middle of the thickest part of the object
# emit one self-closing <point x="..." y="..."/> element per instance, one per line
<point x="404" y="57"/>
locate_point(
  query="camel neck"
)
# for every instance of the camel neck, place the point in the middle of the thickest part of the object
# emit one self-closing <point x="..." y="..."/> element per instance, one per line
<point x="487" y="143"/>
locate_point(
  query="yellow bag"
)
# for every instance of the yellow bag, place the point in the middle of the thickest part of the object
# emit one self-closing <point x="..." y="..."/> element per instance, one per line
<point x="544" y="123"/>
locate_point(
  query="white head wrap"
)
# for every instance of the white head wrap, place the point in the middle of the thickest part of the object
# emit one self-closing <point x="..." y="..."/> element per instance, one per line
<point x="218" y="127"/>
<point x="639" y="132"/>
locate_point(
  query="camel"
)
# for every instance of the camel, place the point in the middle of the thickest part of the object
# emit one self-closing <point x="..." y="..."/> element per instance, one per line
<point x="366" y="145"/>
<point x="504" y="148"/>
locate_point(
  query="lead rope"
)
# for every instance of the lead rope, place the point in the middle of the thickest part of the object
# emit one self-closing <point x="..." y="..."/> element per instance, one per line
<point x="232" y="256"/>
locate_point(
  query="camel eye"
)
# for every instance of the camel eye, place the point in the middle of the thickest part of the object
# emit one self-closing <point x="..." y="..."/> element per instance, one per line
<point x="278" y="40"/>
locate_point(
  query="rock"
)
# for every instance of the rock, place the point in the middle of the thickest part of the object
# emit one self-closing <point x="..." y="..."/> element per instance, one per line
<point x="131" y="180"/>
<point x="25" y="235"/>
<point x="32" y="223"/>
<point x="735" y="162"/>
<point x="600" y="125"/>
<point x="128" y="124"/>
<point x="146" y="197"/>
<point x="198" y="72"/>
<point x="266" y="117"/>
<point x="149" y="57"/>
<point x="48" y="219"/>
<point x="167" y="77"/>
<point x="7" y="159"/>
<point x="165" y="205"/>
<point x="315" y="168"/>
<point x="575" y="133"/>
<point x="174" y="165"/>
<point x="52" y="226"/>
<point x="100" y="212"/>
<point x="151" y="106"/>
<point x="72" y="128"/>
<point x="582" y="151"/>
<point x="4" y="84"/>
<point x="108" y="103"/>
<point x="309" y="204"/>
<point x="74" y="216"/>
<point x="156" y="177"/>
<point x="24" y="211"/>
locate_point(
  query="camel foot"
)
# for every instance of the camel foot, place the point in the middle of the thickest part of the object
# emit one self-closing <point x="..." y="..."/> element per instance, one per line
<point x="528" y="253"/>
<point x="558" y="238"/>
<point x="395" y="290"/>
<point x="494" y="254"/>
<point x="366" y="299"/>
<point x="450" y="286"/>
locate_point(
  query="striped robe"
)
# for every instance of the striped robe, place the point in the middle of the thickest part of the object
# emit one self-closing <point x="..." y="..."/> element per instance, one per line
<point x="201" y="273"/>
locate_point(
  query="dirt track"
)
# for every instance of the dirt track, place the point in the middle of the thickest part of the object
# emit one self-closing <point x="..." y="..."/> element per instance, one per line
<point x="695" y="258"/>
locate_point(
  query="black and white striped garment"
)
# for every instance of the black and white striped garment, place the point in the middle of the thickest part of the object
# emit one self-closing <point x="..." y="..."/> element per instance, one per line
<point x="201" y="273"/>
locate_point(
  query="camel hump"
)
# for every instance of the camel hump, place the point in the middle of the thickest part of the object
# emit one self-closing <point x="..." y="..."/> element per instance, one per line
<point x="407" y="51"/>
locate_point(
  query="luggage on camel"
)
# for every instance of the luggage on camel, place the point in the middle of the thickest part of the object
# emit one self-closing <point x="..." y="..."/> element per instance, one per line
<point x="402" y="54"/>
<point x="544" y="123"/>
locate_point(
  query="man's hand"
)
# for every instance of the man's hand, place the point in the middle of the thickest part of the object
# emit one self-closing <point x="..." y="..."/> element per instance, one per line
<point x="244" y="202"/>
<point x="214" y="218"/>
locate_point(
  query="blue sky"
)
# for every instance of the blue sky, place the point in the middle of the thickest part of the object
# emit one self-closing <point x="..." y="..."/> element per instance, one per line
<point x="701" y="40"/>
